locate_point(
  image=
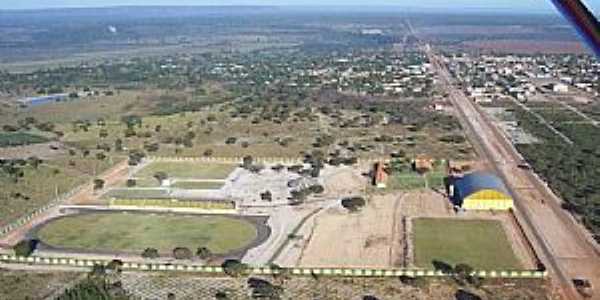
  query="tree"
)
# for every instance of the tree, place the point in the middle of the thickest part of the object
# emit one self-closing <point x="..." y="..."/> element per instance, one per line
<point x="353" y="204"/>
<point x="98" y="184"/>
<point x="25" y="247"/>
<point x="203" y="253"/>
<point x="161" y="176"/>
<point x="114" y="266"/>
<point x="234" y="267"/>
<point x="182" y="253"/>
<point x="34" y="161"/>
<point x="150" y="253"/>
<point x="266" y="196"/>
<point x="118" y="145"/>
<point x="317" y="189"/>
<point x="247" y="162"/>
<point x="131" y="182"/>
<point x="103" y="133"/>
<point x="100" y="156"/>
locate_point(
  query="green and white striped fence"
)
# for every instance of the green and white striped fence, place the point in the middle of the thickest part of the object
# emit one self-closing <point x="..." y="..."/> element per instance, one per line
<point x="340" y="272"/>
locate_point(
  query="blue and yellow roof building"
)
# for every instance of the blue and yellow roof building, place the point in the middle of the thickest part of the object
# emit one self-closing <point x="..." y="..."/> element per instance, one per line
<point x="481" y="191"/>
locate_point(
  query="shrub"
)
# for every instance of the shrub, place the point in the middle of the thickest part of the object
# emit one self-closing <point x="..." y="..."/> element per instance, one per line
<point x="182" y="253"/>
<point x="25" y="247"/>
<point x="131" y="182"/>
<point x="234" y="267"/>
<point x="317" y="189"/>
<point x="354" y="203"/>
<point x="150" y="253"/>
<point x="203" y="253"/>
<point x="98" y="184"/>
<point x="266" y="196"/>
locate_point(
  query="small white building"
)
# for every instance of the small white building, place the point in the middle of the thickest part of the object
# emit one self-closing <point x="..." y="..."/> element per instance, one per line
<point x="560" y="88"/>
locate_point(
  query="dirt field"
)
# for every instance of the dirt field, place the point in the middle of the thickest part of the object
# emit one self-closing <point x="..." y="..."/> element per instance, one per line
<point x="362" y="239"/>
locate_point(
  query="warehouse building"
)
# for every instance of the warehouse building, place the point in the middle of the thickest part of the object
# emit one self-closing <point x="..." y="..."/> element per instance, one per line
<point x="480" y="191"/>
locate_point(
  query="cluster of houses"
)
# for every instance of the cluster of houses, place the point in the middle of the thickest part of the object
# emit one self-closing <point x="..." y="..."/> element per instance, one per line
<point x="486" y="78"/>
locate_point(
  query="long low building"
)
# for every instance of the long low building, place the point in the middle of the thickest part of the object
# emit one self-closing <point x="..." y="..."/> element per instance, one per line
<point x="480" y="191"/>
<point x="39" y="100"/>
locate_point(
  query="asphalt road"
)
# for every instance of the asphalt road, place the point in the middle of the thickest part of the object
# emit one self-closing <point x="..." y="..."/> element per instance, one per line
<point x="561" y="243"/>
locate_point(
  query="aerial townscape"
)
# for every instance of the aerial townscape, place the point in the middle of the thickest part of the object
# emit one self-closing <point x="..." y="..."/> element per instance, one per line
<point x="258" y="152"/>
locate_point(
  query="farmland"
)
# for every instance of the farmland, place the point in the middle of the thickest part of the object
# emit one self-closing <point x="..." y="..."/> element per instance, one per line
<point x="480" y="244"/>
<point x="122" y="232"/>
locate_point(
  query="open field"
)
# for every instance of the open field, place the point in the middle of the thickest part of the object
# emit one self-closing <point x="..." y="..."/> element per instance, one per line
<point x="37" y="188"/>
<point x="190" y="170"/>
<point x="20" y="138"/>
<point x="130" y="232"/>
<point x="481" y="244"/>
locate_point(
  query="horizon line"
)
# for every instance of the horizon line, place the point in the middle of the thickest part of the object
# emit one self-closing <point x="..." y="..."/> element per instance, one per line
<point x="469" y="9"/>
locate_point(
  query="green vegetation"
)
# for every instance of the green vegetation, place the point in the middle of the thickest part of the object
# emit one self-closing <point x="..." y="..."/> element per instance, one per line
<point x="198" y="185"/>
<point x="137" y="193"/>
<point x="8" y="139"/>
<point x="136" y="232"/>
<point x="403" y="177"/>
<point x="174" y="203"/>
<point x="192" y="170"/>
<point x="573" y="171"/>
<point x="481" y="244"/>
<point x="24" y="285"/>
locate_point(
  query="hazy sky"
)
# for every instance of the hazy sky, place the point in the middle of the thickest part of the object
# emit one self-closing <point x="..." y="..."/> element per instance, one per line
<point x="537" y="5"/>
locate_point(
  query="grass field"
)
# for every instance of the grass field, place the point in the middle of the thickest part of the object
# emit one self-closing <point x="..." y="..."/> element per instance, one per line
<point x="195" y="170"/>
<point x="480" y="243"/>
<point x="413" y="180"/>
<point x="136" y="193"/>
<point x="198" y="185"/>
<point x="135" y="232"/>
<point x="20" y="138"/>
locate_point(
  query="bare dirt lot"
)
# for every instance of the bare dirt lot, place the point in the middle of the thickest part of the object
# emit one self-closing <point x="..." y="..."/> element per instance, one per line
<point x="358" y="239"/>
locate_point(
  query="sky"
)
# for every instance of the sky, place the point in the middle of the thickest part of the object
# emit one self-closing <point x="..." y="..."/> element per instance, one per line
<point x="532" y="5"/>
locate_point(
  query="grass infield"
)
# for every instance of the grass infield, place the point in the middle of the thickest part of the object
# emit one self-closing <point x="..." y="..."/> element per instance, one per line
<point x="193" y="170"/>
<point x="132" y="232"/>
<point x="482" y="244"/>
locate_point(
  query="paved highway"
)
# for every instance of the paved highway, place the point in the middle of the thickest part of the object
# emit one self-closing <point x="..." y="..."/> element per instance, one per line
<point x="561" y="243"/>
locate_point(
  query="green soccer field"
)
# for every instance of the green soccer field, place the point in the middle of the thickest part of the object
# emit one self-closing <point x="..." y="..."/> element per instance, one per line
<point x="481" y="244"/>
<point x="192" y="170"/>
<point x="133" y="232"/>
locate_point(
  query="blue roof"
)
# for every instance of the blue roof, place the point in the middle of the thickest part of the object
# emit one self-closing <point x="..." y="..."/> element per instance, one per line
<point x="475" y="182"/>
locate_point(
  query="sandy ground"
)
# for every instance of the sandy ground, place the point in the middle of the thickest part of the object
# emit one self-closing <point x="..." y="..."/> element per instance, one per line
<point x="43" y="151"/>
<point x="362" y="239"/>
